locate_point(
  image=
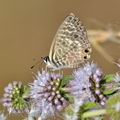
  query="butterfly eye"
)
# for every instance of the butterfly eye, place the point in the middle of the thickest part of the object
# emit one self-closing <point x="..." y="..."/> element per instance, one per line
<point x="46" y="59"/>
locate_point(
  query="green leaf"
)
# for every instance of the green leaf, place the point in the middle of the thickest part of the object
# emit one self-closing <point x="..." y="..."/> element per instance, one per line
<point x="108" y="78"/>
<point x="90" y="105"/>
<point x="65" y="80"/>
<point x="109" y="92"/>
<point x="85" y="108"/>
<point x="94" y="113"/>
<point x="113" y="106"/>
<point x="109" y="86"/>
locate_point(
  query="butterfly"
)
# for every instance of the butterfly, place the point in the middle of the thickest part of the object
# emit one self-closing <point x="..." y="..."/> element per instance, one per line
<point x="70" y="47"/>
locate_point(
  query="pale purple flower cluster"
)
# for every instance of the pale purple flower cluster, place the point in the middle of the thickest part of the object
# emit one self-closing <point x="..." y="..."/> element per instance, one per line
<point x="13" y="98"/>
<point x="46" y="94"/>
<point x="48" y="97"/>
<point x="86" y="84"/>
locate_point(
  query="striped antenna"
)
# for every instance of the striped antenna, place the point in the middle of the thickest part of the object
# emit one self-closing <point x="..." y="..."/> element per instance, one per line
<point x="37" y="63"/>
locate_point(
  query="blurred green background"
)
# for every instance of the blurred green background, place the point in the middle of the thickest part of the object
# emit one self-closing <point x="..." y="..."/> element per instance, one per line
<point x="27" y="28"/>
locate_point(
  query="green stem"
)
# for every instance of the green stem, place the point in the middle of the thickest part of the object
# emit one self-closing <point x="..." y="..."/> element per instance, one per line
<point x="94" y="113"/>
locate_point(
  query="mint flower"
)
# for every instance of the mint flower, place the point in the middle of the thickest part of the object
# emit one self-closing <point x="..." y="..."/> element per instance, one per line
<point x="86" y="84"/>
<point x="47" y="95"/>
<point x="14" y="99"/>
<point x="85" y="87"/>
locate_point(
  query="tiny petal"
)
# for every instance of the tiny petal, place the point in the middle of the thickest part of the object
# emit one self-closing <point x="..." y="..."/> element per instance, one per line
<point x="97" y="92"/>
<point x="59" y="107"/>
<point x="97" y="79"/>
<point x="102" y="103"/>
<point x="97" y="85"/>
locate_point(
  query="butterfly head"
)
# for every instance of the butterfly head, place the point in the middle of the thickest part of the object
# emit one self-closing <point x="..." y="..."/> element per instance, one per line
<point x="45" y="59"/>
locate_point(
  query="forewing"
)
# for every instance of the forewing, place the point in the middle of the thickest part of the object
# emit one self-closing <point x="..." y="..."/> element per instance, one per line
<point x="70" y="46"/>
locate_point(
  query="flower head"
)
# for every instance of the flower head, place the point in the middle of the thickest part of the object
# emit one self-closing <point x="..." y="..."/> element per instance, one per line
<point x="14" y="97"/>
<point x="46" y="94"/>
<point x="86" y="84"/>
<point x="85" y="87"/>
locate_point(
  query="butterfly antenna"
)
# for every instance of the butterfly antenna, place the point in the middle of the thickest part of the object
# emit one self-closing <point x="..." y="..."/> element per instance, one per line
<point x="37" y="63"/>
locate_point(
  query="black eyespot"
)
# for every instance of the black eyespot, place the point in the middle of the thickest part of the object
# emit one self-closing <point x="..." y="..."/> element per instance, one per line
<point x="86" y="50"/>
<point x="85" y="57"/>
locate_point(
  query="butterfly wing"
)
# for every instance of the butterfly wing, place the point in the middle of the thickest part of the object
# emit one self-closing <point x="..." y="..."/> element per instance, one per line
<point x="70" y="46"/>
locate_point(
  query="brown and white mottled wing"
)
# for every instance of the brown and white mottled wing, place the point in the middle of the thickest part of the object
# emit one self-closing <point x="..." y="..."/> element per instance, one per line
<point x="70" y="46"/>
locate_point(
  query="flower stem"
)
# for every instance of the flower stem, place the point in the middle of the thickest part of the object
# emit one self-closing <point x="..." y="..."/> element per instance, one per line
<point x="94" y="113"/>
